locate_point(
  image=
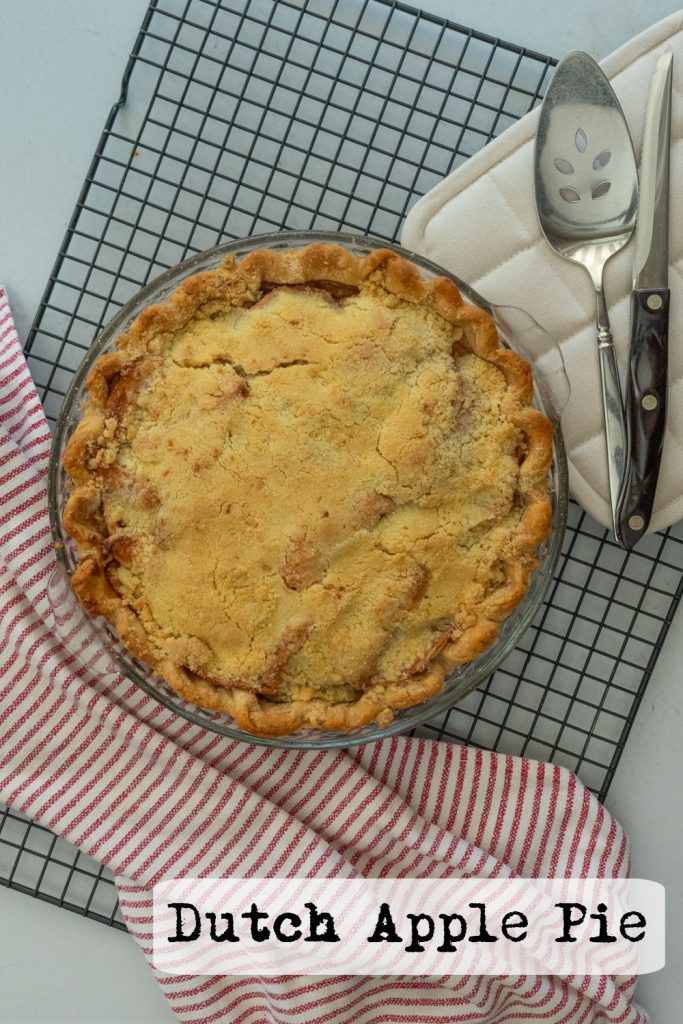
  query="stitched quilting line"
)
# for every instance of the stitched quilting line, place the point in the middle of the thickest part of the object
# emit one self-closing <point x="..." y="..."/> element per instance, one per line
<point x="518" y="252"/>
<point x="521" y="252"/>
<point x="506" y="259"/>
<point x="598" y="433"/>
<point x="508" y="205"/>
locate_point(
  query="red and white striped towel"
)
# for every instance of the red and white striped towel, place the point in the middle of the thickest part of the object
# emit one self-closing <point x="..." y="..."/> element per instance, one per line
<point x="153" y="796"/>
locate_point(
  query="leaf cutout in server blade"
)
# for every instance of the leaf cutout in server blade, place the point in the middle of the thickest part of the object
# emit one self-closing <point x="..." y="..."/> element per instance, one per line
<point x="601" y="189"/>
<point x="563" y="166"/>
<point x="570" y="194"/>
<point x="581" y="140"/>
<point x="602" y="159"/>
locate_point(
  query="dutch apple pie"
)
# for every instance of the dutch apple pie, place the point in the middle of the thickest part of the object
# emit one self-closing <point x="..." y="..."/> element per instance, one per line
<point x="306" y="486"/>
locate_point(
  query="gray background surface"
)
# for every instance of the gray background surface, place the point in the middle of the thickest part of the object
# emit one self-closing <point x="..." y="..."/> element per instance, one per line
<point x="62" y="63"/>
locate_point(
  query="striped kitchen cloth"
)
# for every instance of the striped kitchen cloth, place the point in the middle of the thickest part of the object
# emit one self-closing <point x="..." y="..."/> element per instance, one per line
<point x="153" y="796"/>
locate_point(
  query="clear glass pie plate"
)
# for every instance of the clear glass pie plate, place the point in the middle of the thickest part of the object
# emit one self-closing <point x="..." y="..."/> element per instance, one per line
<point x="84" y="635"/>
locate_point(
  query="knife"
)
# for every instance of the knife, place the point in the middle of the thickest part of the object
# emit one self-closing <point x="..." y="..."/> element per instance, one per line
<point x="646" y="381"/>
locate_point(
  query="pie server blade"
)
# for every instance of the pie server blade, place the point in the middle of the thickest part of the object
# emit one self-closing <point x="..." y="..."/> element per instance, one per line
<point x="586" y="187"/>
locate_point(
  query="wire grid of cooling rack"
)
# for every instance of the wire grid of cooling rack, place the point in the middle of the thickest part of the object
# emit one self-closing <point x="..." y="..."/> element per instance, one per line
<point x="245" y="116"/>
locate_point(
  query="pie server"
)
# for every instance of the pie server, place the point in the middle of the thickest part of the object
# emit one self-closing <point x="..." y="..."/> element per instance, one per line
<point x="587" y="200"/>
<point x="646" y="382"/>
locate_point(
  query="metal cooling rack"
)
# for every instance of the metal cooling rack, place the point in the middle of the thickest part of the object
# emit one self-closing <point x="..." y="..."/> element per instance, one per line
<point x="244" y="116"/>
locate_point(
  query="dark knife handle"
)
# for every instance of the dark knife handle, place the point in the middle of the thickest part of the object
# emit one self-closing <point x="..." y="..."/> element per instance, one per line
<point x="645" y="411"/>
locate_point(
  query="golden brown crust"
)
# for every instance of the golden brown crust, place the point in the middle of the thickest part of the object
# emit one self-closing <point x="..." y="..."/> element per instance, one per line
<point x="125" y="520"/>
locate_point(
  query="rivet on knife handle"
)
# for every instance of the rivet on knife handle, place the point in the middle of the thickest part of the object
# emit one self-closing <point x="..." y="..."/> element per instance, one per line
<point x="645" y="411"/>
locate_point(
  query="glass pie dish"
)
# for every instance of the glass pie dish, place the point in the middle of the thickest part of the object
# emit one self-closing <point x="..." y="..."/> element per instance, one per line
<point x="88" y="637"/>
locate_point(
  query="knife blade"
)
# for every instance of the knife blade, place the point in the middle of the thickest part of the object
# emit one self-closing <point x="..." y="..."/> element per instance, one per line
<point x="646" y="382"/>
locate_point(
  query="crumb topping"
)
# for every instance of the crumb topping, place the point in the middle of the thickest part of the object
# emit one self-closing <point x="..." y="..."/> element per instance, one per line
<point x="303" y="493"/>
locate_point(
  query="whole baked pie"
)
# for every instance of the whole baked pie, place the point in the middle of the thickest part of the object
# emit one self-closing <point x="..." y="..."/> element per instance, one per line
<point x="306" y="486"/>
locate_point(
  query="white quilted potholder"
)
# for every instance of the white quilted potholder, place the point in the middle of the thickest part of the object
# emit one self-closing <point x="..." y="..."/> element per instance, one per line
<point x="481" y="224"/>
